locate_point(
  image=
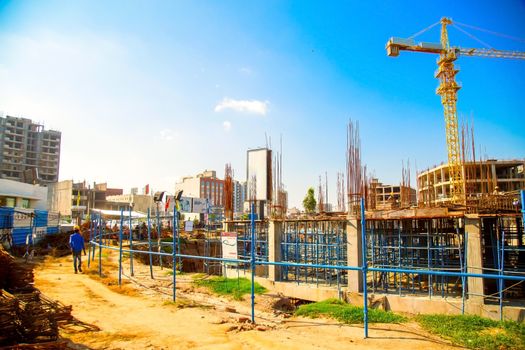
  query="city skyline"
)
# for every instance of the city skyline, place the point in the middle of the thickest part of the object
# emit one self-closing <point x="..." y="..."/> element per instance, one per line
<point x="147" y="94"/>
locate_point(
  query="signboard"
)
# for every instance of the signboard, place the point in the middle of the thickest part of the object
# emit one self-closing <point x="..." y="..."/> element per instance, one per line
<point x="229" y="245"/>
<point x="200" y="205"/>
<point x="185" y="204"/>
<point x="188" y="226"/>
<point x="52" y="219"/>
<point x="259" y="170"/>
<point x="22" y="218"/>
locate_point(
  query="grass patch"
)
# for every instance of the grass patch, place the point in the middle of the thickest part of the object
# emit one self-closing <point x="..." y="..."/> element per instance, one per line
<point x="236" y="287"/>
<point x="476" y="332"/>
<point x="346" y="313"/>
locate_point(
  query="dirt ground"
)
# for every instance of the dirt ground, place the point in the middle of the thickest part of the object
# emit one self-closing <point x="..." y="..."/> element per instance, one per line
<point x="141" y="316"/>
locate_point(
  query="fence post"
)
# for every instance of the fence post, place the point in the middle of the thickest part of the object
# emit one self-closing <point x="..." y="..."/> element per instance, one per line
<point x="159" y="240"/>
<point x="175" y="235"/>
<point x="120" y="248"/>
<point x="130" y="244"/>
<point x="149" y="246"/>
<point x="100" y="253"/>
<point x="364" y="266"/>
<point x="252" y="260"/>
<point x="91" y="231"/>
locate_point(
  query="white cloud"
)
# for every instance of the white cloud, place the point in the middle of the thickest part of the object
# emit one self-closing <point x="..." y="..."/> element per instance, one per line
<point x="167" y="135"/>
<point x="248" y="106"/>
<point x="246" y="70"/>
<point x="227" y="125"/>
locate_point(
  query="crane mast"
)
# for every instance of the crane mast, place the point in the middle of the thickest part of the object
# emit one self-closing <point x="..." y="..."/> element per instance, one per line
<point x="448" y="90"/>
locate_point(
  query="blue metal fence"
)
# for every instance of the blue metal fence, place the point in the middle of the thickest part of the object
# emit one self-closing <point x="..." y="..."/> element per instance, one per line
<point x="98" y="241"/>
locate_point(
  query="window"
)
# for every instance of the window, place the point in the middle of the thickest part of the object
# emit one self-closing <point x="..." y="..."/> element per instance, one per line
<point x="9" y="202"/>
<point x="25" y="203"/>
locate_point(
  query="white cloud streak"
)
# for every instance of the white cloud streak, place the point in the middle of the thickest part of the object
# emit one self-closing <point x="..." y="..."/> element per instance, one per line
<point x="167" y="135"/>
<point x="243" y="106"/>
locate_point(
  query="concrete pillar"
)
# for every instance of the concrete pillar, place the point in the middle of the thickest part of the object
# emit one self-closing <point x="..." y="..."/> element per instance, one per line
<point x="474" y="257"/>
<point x="19" y="202"/>
<point x="494" y="177"/>
<point x="275" y="231"/>
<point x="355" y="257"/>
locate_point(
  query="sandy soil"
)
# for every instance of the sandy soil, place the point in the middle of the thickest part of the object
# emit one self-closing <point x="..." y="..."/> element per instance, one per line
<point x="141" y="316"/>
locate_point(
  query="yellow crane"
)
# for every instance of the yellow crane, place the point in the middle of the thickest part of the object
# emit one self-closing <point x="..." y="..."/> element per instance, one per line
<point x="448" y="89"/>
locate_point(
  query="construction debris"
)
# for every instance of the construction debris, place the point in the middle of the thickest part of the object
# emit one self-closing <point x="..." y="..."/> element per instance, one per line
<point x="27" y="316"/>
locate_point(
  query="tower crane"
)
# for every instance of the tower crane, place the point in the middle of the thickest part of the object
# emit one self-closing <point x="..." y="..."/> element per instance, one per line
<point x="448" y="89"/>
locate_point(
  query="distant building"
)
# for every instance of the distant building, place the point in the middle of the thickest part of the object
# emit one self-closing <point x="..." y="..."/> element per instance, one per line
<point x="481" y="178"/>
<point x="139" y="202"/>
<point x="28" y="153"/>
<point x="203" y="185"/>
<point x="327" y="207"/>
<point x="390" y="196"/>
<point x="22" y="195"/>
<point x="239" y="196"/>
<point x="293" y="212"/>
<point x="69" y="198"/>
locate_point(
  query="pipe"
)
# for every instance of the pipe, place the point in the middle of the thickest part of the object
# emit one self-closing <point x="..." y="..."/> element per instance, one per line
<point x="130" y="244"/>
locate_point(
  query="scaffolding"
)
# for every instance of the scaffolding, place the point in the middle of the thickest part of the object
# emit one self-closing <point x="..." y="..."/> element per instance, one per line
<point x="244" y="242"/>
<point x="430" y="244"/>
<point x="503" y="248"/>
<point x="320" y="242"/>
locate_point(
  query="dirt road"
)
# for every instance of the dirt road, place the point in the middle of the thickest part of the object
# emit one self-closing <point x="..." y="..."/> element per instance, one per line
<point x="142" y="317"/>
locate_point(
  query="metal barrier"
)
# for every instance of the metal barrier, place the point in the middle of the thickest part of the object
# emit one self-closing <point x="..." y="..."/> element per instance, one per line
<point x="314" y="242"/>
<point x="98" y="235"/>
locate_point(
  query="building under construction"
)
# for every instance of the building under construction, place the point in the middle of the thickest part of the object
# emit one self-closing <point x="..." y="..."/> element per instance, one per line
<point x="496" y="180"/>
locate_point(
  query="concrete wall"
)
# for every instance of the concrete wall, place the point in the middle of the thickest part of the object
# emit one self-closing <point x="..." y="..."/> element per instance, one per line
<point x="141" y="203"/>
<point x="60" y="197"/>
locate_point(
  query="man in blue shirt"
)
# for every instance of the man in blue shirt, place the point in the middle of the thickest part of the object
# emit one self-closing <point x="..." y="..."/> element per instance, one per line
<point x="76" y="242"/>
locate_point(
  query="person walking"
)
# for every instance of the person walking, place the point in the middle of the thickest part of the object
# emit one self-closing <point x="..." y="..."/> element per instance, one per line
<point x="76" y="242"/>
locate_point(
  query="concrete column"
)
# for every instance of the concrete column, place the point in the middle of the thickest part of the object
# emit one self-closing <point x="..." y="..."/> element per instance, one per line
<point x="275" y="231"/>
<point x="355" y="257"/>
<point x="474" y="257"/>
<point x="494" y="177"/>
<point x="18" y="202"/>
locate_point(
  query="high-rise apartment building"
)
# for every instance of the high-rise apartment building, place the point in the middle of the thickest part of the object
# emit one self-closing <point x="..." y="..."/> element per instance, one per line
<point x="239" y="196"/>
<point x="28" y="153"/>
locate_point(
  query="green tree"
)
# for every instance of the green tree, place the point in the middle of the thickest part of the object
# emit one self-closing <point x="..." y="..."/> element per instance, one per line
<point x="309" y="202"/>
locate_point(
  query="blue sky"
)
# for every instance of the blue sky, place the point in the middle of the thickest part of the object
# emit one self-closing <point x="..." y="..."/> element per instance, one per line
<point x="150" y="91"/>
